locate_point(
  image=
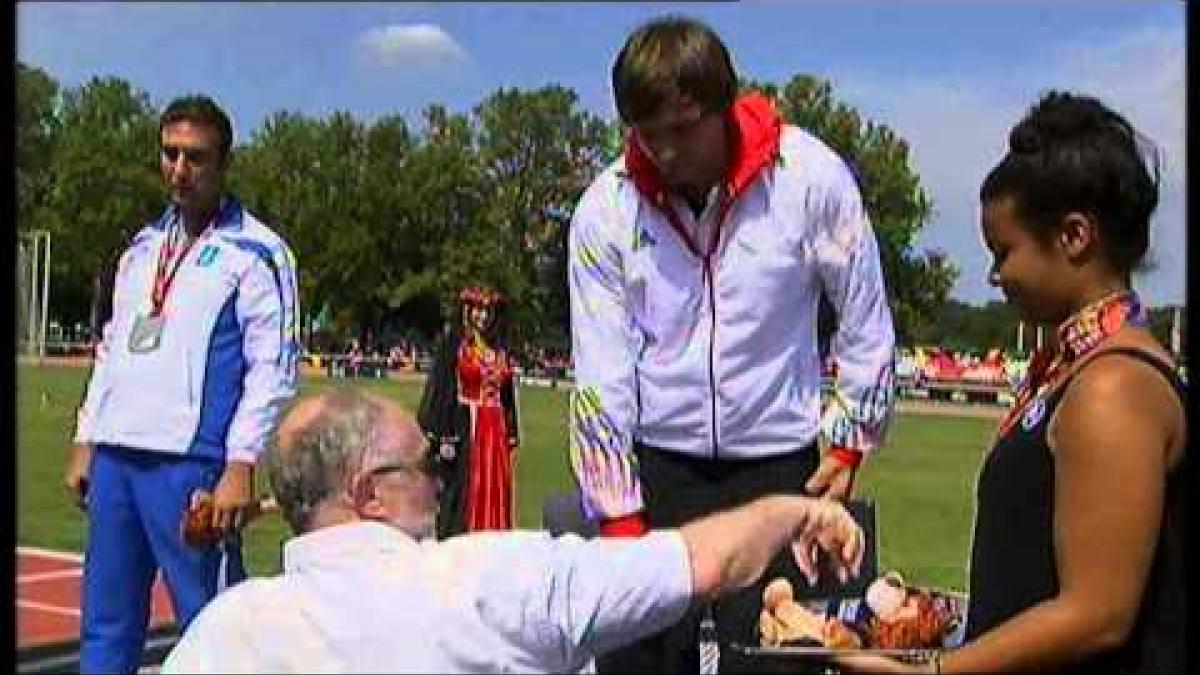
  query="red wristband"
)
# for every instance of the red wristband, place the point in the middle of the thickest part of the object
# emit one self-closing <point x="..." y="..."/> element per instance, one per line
<point x="632" y="525"/>
<point x="847" y="456"/>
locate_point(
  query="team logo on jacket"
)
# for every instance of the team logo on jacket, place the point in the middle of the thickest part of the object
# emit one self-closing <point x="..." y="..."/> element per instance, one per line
<point x="642" y="238"/>
<point x="207" y="255"/>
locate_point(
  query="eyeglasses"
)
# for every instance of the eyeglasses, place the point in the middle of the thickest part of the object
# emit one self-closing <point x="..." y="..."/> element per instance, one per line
<point x="426" y="466"/>
<point x="194" y="156"/>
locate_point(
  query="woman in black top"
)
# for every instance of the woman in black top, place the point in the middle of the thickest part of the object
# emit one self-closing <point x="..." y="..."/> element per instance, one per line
<point x="1077" y="557"/>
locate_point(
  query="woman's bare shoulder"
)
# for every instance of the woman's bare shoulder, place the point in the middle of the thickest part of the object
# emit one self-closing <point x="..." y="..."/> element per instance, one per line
<point x="1117" y="394"/>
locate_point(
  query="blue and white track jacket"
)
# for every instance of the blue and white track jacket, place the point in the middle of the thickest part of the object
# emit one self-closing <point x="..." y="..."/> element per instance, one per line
<point x="227" y="359"/>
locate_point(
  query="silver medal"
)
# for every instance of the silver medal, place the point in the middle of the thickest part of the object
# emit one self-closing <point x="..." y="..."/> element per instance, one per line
<point x="146" y="333"/>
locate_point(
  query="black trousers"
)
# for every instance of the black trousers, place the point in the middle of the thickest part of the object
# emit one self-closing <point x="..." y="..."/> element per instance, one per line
<point x="677" y="488"/>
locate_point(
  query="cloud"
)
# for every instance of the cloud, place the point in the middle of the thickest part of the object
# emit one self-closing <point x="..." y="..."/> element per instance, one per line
<point x="418" y="47"/>
<point x="1142" y="74"/>
<point x="957" y="125"/>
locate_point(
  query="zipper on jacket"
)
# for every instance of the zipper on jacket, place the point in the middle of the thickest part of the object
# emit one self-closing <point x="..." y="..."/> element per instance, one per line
<point x="714" y="245"/>
<point x="712" y="344"/>
<point x="708" y="279"/>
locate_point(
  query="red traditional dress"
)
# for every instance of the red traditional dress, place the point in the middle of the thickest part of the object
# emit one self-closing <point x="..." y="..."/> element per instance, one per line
<point x="483" y="373"/>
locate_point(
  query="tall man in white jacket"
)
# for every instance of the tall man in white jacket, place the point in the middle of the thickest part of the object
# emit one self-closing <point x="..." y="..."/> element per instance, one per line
<point x="696" y="265"/>
<point x="190" y="374"/>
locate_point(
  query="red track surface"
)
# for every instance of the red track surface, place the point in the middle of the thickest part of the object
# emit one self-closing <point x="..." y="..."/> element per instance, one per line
<point x="48" y="593"/>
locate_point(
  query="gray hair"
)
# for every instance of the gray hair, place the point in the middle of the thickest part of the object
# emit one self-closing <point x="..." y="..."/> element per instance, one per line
<point x="309" y="465"/>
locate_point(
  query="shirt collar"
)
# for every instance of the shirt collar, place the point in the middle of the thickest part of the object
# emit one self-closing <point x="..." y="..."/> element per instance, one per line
<point x="756" y="132"/>
<point x="334" y="545"/>
<point x="1085" y="329"/>
<point x="229" y="214"/>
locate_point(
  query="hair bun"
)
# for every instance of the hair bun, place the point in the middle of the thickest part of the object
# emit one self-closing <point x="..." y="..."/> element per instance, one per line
<point x="1063" y="118"/>
<point x="1024" y="140"/>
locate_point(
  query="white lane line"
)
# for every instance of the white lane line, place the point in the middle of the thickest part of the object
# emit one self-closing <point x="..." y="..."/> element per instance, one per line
<point x="47" y="553"/>
<point x="53" y="609"/>
<point x="156" y="650"/>
<point x="49" y="576"/>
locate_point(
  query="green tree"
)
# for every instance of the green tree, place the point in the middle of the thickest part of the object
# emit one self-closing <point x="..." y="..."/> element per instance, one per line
<point x="104" y="185"/>
<point x="917" y="284"/>
<point x="408" y="287"/>
<point x="959" y="326"/>
<point x="350" y="261"/>
<point x="37" y="137"/>
<point x="445" y="200"/>
<point x="538" y="152"/>
<point x="273" y="176"/>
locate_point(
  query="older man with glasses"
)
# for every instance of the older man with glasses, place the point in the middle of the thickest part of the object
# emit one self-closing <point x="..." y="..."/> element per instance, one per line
<point x="366" y="588"/>
<point x="196" y="359"/>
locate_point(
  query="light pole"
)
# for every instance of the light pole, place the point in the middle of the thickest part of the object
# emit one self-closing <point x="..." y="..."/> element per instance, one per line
<point x="34" y="264"/>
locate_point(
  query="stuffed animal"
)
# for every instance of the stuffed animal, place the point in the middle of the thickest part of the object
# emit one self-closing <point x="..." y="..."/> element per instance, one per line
<point x="905" y="617"/>
<point x="783" y="621"/>
<point x="895" y="616"/>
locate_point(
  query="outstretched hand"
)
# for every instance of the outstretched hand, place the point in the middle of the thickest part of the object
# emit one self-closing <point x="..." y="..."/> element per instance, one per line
<point x="830" y="527"/>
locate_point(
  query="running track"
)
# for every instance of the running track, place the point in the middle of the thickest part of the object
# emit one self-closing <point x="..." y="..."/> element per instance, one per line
<point x="48" y="593"/>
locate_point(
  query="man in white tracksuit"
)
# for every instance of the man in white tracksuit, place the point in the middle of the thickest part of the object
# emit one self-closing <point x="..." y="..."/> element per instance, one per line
<point x="696" y="265"/>
<point x="193" y="367"/>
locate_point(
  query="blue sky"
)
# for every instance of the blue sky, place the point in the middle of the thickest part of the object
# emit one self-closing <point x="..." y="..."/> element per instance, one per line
<point x="950" y="77"/>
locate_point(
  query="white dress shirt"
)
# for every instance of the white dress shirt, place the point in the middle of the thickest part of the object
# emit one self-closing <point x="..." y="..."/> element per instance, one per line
<point x="365" y="597"/>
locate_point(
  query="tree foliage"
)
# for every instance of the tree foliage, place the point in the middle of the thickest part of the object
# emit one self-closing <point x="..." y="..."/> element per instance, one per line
<point x="37" y="137"/>
<point x="102" y="185"/>
<point x="959" y="326"/>
<point x="918" y="284"/>
<point x="538" y="152"/>
<point x="389" y="219"/>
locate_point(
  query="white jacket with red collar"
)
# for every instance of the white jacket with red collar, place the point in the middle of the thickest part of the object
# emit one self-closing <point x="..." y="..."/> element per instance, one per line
<point x="711" y="351"/>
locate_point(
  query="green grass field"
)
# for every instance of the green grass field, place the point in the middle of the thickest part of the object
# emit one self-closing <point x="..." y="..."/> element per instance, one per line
<point x="922" y="480"/>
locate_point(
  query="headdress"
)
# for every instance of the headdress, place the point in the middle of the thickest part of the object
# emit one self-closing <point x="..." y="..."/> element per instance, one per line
<point x="480" y="296"/>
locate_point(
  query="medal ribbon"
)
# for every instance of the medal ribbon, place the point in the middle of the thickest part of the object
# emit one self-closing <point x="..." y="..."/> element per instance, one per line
<point x="1078" y="336"/>
<point x="166" y="253"/>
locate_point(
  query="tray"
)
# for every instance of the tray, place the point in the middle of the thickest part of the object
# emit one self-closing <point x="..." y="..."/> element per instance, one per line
<point x="822" y="653"/>
<point x="955" y="602"/>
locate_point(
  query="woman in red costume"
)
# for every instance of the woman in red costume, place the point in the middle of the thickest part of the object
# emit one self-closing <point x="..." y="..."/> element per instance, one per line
<point x="469" y="413"/>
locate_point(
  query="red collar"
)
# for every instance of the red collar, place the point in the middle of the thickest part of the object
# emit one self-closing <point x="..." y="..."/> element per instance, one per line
<point x="1090" y="326"/>
<point x="1078" y="336"/>
<point x="755" y="129"/>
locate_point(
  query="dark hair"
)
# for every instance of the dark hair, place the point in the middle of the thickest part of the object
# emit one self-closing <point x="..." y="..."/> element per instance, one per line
<point x="1073" y="153"/>
<point x="200" y="109"/>
<point x="668" y="57"/>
